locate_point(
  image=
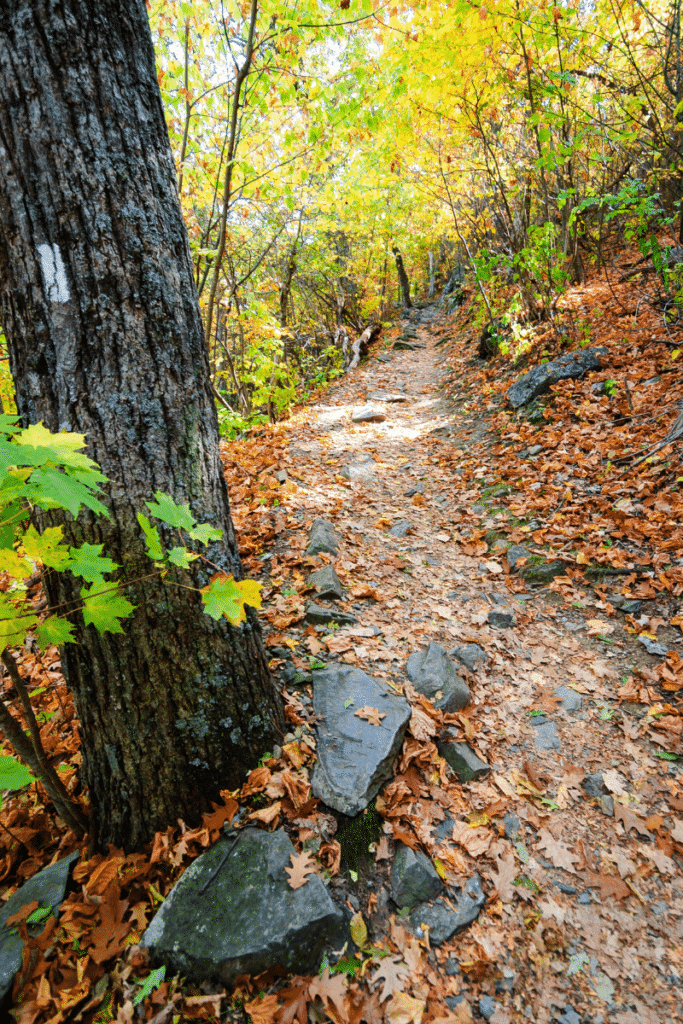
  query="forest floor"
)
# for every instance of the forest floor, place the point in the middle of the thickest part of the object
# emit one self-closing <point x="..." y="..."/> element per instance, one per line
<point x="584" y="918"/>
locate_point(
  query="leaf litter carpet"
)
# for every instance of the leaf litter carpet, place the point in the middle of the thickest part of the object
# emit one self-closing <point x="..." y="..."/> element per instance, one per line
<point x="583" y="921"/>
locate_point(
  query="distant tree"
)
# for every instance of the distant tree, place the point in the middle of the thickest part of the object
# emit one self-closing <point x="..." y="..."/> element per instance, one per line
<point x="105" y="338"/>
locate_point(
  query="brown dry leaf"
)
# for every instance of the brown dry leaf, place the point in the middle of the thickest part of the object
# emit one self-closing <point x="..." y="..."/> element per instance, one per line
<point x="257" y="782"/>
<point x="630" y="820"/>
<point x="266" y="814"/>
<point x="295" y="1003"/>
<point x="609" y="885"/>
<point x="614" y="781"/>
<point x="475" y="840"/>
<point x="421" y="726"/>
<point x="559" y="854"/>
<point x="403" y="1009"/>
<point x="677" y="831"/>
<point x="392" y="969"/>
<point x="643" y="1015"/>
<point x="109" y="937"/>
<point x="598" y="626"/>
<point x="103" y="875"/>
<point x="332" y="991"/>
<point x="372" y="715"/>
<point x="504" y="876"/>
<point x="382" y="852"/>
<point x="263" y="1010"/>
<point x="302" y="866"/>
<point x="663" y="863"/>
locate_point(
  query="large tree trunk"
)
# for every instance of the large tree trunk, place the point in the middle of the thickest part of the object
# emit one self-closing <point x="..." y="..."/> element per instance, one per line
<point x="403" y="282"/>
<point x="105" y="338"/>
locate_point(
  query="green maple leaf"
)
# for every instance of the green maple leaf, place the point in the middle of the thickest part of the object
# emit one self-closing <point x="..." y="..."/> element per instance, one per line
<point x="46" y="547"/>
<point x="154" y="548"/>
<point x="167" y="510"/>
<point x="51" y="488"/>
<point x="204" y="533"/>
<point x="37" y="446"/>
<point x="14" y="564"/>
<point x="86" y="562"/>
<point x="15" y="621"/>
<point x="225" y="596"/>
<point x="103" y="606"/>
<point x="55" y="631"/>
<point x="152" y="981"/>
<point x="181" y="557"/>
<point x="13" y="774"/>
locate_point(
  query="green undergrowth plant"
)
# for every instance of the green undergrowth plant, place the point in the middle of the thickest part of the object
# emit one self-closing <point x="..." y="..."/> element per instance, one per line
<point x="40" y="470"/>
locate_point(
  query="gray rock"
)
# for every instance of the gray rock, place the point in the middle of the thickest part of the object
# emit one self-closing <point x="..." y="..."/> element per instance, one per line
<point x="539" y="380"/>
<point x="327" y="583"/>
<point x="323" y="537"/>
<point x="282" y="477"/>
<point x="367" y="414"/>
<point x="379" y="396"/>
<point x="239" y="916"/>
<point x="571" y="700"/>
<point x="385" y="357"/>
<point x="626" y="605"/>
<point x="534" y="449"/>
<point x="48" y="888"/>
<point x="418" y="489"/>
<point x="401" y="528"/>
<point x="568" y="890"/>
<point x="653" y="647"/>
<point x="502" y="616"/>
<point x="354" y="757"/>
<point x="584" y="899"/>
<point x="444" y="830"/>
<point x="319" y="615"/>
<point x="359" y="471"/>
<point x="570" y="1016"/>
<point x="546" y="738"/>
<point x="463" y="760"/>
<point x="507" y="982"/>
<point x="488" y="1006"/>
<point x="594" y="786"/>
<point x="469" y="655"/>
<point x="406" y="346"/>
<point x="542" y="572"/>
<point x="413" y="878"/>
<point x="452" y="967"/>
<point x="431" y="672"/>
<point x="511" y="825"/>
<point x="607" y="805"/>
<point x="444" y="923"/>
<point x="514" y="553"/>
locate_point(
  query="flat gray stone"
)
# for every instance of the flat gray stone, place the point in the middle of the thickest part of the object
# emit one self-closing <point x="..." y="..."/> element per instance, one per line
<point x="514" y="553"/>
<point x="413" y="878"/>
<point x="48" y="888"/>
<point x="607" y="805"/>
<point x="321" y="615"/>
<point x="470" y="655"/>
<point x="400" y="529"/>
<point x="380" y="396"/>
<point x="542" y="572"/>
<point x="367" y="414"/>
<point x="359" y="472"/>
<point x="326" y="582"/>
<point x="539" y="380"/>
<point x="463" y="760"/>
<point x="444" y="923"/>
<point x="571" y="700"/>
<point x="501" y="616"/>
<point x="654" y="647"/>
<point x="354" y="757"/>
<point x="432" y="672"/>
<point x="239" y="916"/>
<point x="594" y="785"/>
<point x="406" y="346"/>
<point x="546" y="738"/>
<point x="323" y="538"/>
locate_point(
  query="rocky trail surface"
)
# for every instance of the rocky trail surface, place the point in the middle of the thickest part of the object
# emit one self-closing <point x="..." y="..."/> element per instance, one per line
<point x="565" y="811"/>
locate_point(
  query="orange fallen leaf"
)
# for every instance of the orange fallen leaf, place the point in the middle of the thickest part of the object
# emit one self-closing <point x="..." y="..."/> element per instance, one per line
<point x="302" y="866"/>
<point x="371" y="715"/>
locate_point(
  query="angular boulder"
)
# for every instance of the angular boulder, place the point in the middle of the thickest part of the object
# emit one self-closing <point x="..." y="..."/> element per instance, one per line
<point x="463" y="761"/>
<point x="470" y="655"/>
<point x="354" y="756"/>
<point x="359" y="471"/>
<point x="413" y="878"/>
<point x="326" y="583"/>
<point x="431" y="672"/>
<point x="323" y="537"/>
<point x="233" y="912"/>
<point x="539" y="380"/>
<point x="47" y="888"/>
<point x="318" y="615"/>
<point x="444" y="923"/>
<point x="367" y="414"/>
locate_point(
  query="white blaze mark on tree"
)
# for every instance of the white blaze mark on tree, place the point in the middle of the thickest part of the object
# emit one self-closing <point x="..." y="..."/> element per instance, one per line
<point x="54" y="273"/>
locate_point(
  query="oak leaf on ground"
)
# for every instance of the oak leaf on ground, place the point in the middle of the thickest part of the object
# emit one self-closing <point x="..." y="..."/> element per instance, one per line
<point x="372" y="715"/>
<point x="395" y="973"/>
<point x="559" y="853"/>
<point x="302" y="866"/>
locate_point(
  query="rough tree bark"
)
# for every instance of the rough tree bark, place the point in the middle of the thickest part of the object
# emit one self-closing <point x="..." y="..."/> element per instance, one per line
<point x="105" y="338"/>
<point x="403" y="281"/>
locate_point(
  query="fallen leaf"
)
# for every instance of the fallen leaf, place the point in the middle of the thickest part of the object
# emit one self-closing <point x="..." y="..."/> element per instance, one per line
<point x="392" y="970"/>
<point x="504" y="876"/>
<point x="630" y="820"/>
<point x="263" y="1010"/>
<point x="609" y="885"/>
<point x="403" y="1009"/>
<point x="559" y="854"/>
<point x="302" y="866"/>
<point x="371" y="715"/>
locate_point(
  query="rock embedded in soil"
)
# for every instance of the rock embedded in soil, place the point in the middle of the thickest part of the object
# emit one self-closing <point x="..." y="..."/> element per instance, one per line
<point x="594" y="785"/>
<point x="463" y="761"/>
<point x="432" y="672"/>
<point x="402" y="528"/>
<point x="323" y="538"/>
<point x="354" y="757"/>
<point x="406" y="346"/>
<point x="514" y="553"/>
<point x="545" y="736"/>
<point x="444" y="923"/>
<point x="379" y="396"/>
<point x="326" y="583"/>
<point x="413" y="878"/>
<point x="571" y="700"/>
<point x="47" y="888"/>
<point x="488" y="1006"/>
<point x="502" y="616"/>
<point x="359" y="472"/>
<point x="542" y="572"/>
<point x="469" y="655"/>
<point x="270" y="924"/>
<point x="367" y="414"/>
<point x="319" y="615"/>
<point x="540" y="379"/>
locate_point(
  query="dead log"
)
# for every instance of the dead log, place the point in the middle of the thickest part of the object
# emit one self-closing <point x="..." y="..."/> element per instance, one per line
<point x="360" y="346"/>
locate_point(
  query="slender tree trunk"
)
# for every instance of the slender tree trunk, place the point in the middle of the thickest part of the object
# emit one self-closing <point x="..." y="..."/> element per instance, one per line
<point x="431" y="275"/>
<point x="403" y="282"/>
<point x="105" y="338"/>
